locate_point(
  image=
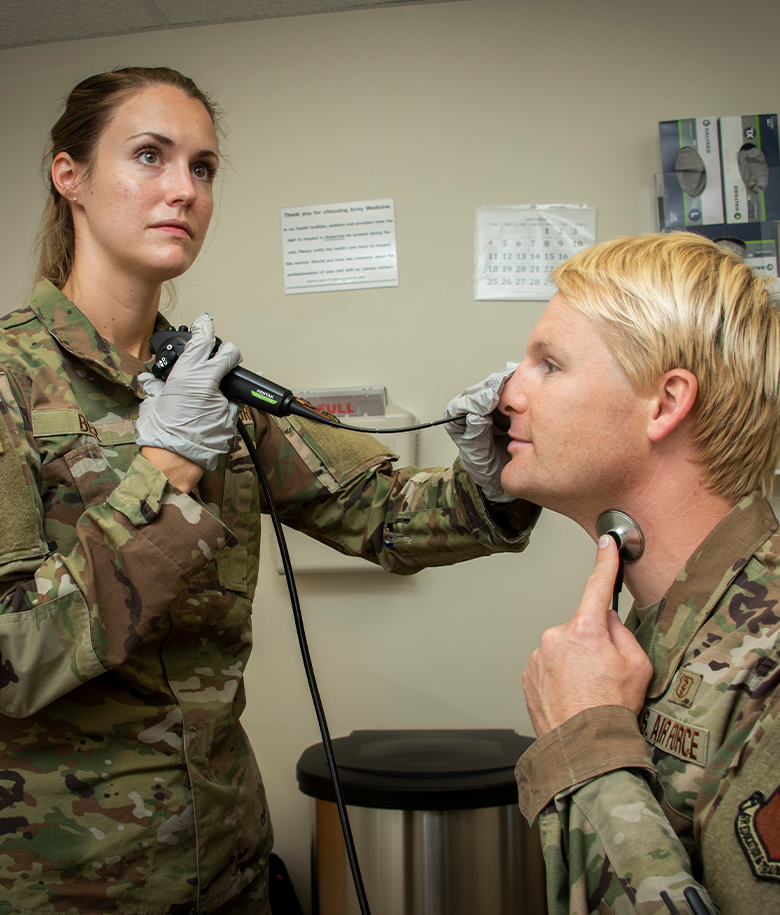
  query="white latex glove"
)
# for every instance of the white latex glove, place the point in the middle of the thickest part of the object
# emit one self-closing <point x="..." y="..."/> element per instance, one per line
<point x="482" y="455"/>
<point x="188" y="414"/>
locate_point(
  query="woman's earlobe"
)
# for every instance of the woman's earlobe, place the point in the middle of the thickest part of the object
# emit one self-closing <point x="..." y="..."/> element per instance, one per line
<point x="64" y="175"/>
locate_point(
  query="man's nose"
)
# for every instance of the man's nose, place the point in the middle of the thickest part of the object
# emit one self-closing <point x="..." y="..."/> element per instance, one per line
<point x="513" y="398"/>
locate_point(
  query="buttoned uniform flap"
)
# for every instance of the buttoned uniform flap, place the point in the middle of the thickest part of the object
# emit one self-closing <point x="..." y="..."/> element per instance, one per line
<point x="90" y="456"/>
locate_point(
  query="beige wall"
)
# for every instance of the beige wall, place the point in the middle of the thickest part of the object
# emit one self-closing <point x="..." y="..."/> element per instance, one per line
<point x="443" y="107"/>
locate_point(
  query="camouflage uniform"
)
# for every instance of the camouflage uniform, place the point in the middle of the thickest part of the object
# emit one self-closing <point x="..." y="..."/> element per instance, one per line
<point x="689" y="794"/>
<point x="127" y="784"/>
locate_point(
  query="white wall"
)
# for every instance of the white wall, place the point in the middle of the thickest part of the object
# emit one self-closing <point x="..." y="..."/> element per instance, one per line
<point x="443" y="107"/>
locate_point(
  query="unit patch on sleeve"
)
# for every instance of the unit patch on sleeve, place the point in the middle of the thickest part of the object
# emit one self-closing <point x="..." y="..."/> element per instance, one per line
<point x="758" y="829"/>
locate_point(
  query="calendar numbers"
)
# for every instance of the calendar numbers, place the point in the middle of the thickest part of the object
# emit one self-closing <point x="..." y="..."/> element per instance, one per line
<point x="518" y="246"/>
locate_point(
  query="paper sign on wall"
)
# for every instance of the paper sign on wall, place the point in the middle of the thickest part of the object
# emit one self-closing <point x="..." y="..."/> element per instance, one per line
<point x="339" y="246"/>
<point x="516" y="247"/>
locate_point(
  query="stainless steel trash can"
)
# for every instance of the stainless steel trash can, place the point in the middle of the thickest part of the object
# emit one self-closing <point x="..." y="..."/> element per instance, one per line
<point x="435" y="821"/>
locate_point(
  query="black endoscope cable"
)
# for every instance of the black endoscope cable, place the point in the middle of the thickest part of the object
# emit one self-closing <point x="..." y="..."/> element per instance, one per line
<point x="619" y="577"/>
<point x="327" y="421"/>
<point x="299" y="628"/>
<point x="315" y="695"/>
<point x="245" y="387"/>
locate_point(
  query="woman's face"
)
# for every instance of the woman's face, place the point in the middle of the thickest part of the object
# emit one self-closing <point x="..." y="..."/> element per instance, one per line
<point x="142" y="213"/>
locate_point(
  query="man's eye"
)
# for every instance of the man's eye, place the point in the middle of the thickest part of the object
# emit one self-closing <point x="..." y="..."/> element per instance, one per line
<point x="549" y="366"/>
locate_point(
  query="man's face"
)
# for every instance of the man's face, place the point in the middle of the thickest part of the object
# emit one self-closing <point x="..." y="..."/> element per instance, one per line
<point x="577" y="425"/>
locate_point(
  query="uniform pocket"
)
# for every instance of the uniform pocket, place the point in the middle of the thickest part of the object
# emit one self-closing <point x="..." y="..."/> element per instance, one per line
<point x="81" y="465"/>
<point x="90" y="473"/>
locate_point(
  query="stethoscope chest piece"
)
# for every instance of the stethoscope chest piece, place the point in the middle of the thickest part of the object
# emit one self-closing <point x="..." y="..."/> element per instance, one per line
<point x="626" y="532"/>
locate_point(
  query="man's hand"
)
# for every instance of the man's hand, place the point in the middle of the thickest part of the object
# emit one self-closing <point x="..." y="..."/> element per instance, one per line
<point x="590" y="661"/>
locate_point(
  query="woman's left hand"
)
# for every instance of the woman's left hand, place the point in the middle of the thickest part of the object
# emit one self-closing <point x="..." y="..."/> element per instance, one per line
<point x="188" y="415"/>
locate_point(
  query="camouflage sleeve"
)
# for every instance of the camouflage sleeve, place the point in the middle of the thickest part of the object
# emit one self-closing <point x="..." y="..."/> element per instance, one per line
<point x="610" y="848"/>
<point x="340" y="487"/>
<point x="67" y="617"/>
<point x="592" y="743"/>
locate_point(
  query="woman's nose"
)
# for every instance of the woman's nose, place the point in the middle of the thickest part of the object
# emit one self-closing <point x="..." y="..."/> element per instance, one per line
<point x="182" y="187"/>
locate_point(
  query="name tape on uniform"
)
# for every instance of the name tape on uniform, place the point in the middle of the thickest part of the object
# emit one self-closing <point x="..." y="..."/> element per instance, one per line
<point x="685" y="741"/>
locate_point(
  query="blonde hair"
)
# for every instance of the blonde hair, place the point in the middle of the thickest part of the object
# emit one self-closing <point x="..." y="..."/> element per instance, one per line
<point x="680" y="301"/>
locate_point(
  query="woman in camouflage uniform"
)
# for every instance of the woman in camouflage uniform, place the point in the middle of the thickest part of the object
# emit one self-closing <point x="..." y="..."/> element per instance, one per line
<point x="130" y="536"/>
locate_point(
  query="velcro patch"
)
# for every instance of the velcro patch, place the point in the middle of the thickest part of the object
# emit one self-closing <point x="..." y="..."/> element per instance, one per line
<point x="758" y="829"/>
<point x="71" y="422"/>
<point x="678" y="738"/>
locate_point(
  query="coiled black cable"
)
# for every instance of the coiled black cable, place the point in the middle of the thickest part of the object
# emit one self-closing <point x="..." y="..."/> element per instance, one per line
<point x="312" y="681"/>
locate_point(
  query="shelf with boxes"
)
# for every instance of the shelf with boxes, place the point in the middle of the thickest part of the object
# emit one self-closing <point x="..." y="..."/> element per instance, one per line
<point x="721" y="178"/>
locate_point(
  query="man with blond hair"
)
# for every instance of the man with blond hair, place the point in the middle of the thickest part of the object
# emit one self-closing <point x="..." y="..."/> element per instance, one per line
<point x="650" y="386"/>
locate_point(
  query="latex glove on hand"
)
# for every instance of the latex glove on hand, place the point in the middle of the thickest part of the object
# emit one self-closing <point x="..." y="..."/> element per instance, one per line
<point x="188" y="414"/>
<point x="478" y="437"/>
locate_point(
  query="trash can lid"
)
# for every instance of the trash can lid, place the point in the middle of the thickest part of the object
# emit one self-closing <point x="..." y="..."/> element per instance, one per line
<point x="418" y="769"/>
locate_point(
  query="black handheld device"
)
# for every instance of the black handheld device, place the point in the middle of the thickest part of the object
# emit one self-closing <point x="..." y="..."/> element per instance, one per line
<point x="239" y="385"/>
<point x="242" y="386"/>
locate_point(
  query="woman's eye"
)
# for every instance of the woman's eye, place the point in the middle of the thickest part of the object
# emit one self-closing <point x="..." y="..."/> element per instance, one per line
<point x="204" y="172"/>
<point x="150" y="156"/>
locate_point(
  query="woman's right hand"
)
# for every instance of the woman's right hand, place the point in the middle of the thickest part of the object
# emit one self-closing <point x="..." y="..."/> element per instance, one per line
<point x="482" y="455"/>
<point x="186" y="422"/>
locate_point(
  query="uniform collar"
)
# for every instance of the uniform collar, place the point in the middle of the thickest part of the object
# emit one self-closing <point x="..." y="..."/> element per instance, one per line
<point x="71" y="328"/>
<point x="666" y="629"/>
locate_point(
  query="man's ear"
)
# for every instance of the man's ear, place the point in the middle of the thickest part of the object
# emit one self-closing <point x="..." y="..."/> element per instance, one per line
<point x="65" y="174"/>
<point x="672" y="400"/>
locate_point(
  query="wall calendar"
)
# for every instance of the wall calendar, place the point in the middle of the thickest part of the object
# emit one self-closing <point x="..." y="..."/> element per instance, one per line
<point x="516" y="247"/>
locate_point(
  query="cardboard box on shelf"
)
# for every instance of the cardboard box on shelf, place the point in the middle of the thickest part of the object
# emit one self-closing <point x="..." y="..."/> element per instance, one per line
<point x="750" y="165"/>
<point x="690" y="160"/>
<point x="759" y="238"/>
